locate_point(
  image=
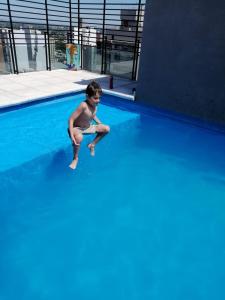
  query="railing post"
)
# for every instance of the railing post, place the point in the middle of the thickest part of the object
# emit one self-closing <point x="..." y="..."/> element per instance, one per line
<point x="71" y="28"/>
<point x="137" y="60"/>
<point x="135" y="43"/>
<point x="78" y="7"/>
<point x="11" y="50"/>
<point x="103" y="38"/>
<point x="81" y="52"/>
<point x="105" y="55"/>
<point x="46" y="51"/>
<point x="48" y="43"/>
<point x="12" y="41"/>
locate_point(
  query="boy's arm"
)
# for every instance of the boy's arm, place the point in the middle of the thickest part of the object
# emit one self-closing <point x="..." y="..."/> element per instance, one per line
<point x="73" y="117"/>
<point x="97" y="120"/>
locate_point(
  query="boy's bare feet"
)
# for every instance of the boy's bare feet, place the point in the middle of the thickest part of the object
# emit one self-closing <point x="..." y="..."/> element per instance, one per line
<point x="73" y="164"/>
<point x="92" y="149"/>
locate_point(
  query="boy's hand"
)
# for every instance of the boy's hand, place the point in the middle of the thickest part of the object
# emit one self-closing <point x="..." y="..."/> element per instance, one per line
<point x="73" y="139"/>
<point x="97" y="121"/>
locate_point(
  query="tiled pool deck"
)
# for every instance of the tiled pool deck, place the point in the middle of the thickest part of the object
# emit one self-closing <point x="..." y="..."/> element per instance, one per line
<point x="25" y="87"/>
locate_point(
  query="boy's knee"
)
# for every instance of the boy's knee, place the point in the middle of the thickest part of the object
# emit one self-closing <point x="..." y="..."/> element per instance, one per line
<point x="78" y="138"/>
<point x="107" y="129"/>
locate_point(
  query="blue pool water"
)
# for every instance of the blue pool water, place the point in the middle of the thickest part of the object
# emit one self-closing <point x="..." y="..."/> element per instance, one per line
<point x="143" y="219"/>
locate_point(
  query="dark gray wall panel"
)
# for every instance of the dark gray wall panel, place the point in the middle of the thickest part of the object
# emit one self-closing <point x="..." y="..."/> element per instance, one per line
<point x="182" y="65"/>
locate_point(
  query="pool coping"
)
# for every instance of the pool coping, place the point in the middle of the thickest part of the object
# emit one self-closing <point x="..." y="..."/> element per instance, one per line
<point x="42" y="99"/>
<point x="129" y="100"/>
<point x="37" y="100"/>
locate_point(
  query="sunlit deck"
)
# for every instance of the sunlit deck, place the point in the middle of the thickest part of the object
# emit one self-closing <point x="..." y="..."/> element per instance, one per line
<point x="25" y="87"/>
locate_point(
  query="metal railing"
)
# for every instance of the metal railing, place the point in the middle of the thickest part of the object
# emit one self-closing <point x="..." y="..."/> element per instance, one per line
<point x="34" y="34"/>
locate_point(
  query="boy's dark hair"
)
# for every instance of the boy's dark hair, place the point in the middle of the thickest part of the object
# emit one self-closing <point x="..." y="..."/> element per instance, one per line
<point x="93" y="88"/>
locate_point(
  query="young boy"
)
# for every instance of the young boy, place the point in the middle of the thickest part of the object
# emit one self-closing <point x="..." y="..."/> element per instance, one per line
<point x="80" y="122"/>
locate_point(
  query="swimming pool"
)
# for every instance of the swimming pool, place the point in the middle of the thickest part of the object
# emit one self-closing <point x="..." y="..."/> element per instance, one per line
<point x="143" y="219"/>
